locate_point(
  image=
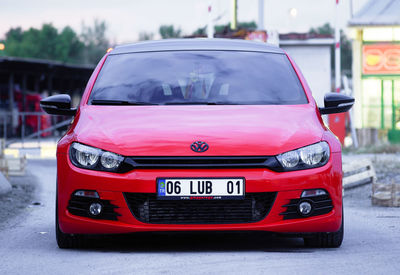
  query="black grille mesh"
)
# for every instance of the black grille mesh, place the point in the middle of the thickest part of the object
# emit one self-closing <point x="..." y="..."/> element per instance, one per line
<point x="203" y="162"/>
<point x="321" y="205"/>
<point x="146" y="208"/>
<point x="79" y="206"/>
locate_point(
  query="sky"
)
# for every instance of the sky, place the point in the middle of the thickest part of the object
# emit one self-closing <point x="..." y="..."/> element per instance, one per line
<point x="127" y="18"/>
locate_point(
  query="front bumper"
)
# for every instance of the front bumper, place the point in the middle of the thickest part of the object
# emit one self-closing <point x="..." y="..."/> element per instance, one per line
<point x="111" y="187"/>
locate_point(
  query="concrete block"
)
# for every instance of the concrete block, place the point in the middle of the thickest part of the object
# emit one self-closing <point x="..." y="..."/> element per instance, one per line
<point x="5" y="186"/>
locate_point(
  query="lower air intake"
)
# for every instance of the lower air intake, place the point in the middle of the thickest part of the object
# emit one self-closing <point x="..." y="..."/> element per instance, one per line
<point x="146" y="208"/>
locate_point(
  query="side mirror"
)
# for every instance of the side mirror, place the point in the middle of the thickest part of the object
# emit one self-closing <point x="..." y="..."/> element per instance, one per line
<point x="58" y="105"/>
<point x="336" y="103"/>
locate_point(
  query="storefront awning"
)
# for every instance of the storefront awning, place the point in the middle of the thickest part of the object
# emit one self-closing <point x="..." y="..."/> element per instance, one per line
<point x="378" y="13"/>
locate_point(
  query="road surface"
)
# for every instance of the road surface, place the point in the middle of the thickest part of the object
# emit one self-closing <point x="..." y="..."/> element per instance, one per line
<point x="28" y="246"/>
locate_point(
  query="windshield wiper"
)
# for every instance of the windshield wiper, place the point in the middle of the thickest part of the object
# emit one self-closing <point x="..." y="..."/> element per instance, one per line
<point x="119" y="102"/>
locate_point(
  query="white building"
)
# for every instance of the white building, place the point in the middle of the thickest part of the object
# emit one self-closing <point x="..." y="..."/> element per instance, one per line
<point x="313" y="56"/>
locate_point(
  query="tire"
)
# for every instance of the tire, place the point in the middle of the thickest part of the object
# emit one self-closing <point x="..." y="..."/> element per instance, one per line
<point x="68" y="240"/>
<point x="326" y="240"/>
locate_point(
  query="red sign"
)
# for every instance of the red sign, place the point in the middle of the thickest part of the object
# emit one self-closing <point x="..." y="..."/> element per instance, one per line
<point x="381" y="59"/>
<point x="257" y="36"/>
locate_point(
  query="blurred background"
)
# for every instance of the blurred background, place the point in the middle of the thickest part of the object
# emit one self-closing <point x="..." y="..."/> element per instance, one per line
<point x="346" y="46"/>
<point x="50" y="47"/>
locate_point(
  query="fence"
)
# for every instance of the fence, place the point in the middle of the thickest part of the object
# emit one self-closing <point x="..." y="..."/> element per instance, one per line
<point x="20" y="126"/>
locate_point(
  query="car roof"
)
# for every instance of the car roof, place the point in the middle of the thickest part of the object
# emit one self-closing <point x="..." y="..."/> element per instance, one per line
<point x="196" y="44"/>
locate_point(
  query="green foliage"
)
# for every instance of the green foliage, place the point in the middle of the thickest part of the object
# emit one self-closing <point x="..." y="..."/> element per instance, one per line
<point x="44" y="43"/>
<point x="224" y="29"/>
<point x="220" y="29"/>
<point x="200" y="31"/>
<point x="247" y="25"/>
<point x="346" y="54"/>
<point x="95" y="41"/>
<point x="146" y="36"/>
<point x="65" y="45"/>
<point x="69" y="48"/>
<point x="324" y="29"/>
<point x="345" y="47"/>
<point x="168" y="31"/>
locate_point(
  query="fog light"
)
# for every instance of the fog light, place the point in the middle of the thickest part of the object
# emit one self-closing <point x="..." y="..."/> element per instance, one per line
<point x="305" y="208"/>
<point x="95" y="209"/>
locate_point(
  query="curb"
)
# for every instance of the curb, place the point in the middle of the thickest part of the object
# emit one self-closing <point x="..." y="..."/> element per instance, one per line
<point x="5" y="186"/>
<point x="44" y="152"/>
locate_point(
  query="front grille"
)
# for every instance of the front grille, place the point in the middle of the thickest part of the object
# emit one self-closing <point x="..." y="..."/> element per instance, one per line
<point x="321" y="205"/>
<point x="146" y="208"/>
<point x="79" y="206"/>
<point x="203" y="162"/>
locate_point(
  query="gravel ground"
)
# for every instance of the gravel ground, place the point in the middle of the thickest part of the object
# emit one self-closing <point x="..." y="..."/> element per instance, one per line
<point x="387" y="166"/>
<point x="19" y="200"/>
<point x="387" y="170"/>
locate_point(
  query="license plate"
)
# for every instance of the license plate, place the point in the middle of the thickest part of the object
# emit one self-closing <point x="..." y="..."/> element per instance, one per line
<point x="200" y="188"/>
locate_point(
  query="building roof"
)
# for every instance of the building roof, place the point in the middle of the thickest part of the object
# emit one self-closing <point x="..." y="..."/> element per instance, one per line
<point x="305" y="39"/>
<point x="197" y="44"/>
<point x="42" y="62"/>
<point x="378" y="13"/>
<point x="308" y="42"/>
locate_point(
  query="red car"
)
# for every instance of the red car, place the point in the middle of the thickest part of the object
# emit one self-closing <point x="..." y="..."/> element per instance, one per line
<point x="198" y="135"/>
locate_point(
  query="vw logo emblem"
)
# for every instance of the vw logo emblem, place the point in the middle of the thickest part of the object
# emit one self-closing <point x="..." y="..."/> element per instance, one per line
<point x="199" y="146"/>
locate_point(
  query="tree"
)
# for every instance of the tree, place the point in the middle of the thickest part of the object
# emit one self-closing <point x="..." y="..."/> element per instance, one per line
<point x="200" y="31"/>
<point x="95" y="41"/>
<point x="325" y="29"/>
<point x="65" y="45"/>
<point x="44" y="43"/>
<point x="168" y="31"/>
<point x="345" y="47"/>
<point x="13" y="40"/>
<point x="146" y="36"/>
<point x="220" y="29"/>
<point x="346" y="54"/>
<point x="69" y="48"/>
<point x="224" y="29"/>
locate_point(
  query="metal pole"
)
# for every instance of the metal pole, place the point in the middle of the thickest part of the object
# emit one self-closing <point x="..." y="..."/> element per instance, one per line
<point x="351" y="8"/>
<point x="11" y="92"/>
<point x="24" y="77"/>
<point x="37" y="84"/>
<point x="23" y="129"/>
<point x="234" y="15"/>
<point x="11" y="100"/>
<point x="210" y="25"/>
<point x="337" y="50"/>
<point x="39" y="127"/>
<point x="260" y="25"/>
<point x="5" y="126"/>
<point x="348" y="91"/>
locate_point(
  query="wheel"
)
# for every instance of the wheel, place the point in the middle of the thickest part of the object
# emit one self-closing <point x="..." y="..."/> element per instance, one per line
<point x="328" y="240"/>
<point x="68" y="240"/>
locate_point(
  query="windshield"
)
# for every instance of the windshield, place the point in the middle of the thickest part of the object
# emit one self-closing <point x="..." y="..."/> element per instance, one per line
<point x="197" y="77"/>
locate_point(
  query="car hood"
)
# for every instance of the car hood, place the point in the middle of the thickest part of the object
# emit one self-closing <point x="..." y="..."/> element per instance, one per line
<point x="170" y="130"/>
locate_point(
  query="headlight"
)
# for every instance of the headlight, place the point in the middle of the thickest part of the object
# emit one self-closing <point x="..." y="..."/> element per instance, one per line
<point x="312" y="156"/>
<point x="88" y="157"/>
